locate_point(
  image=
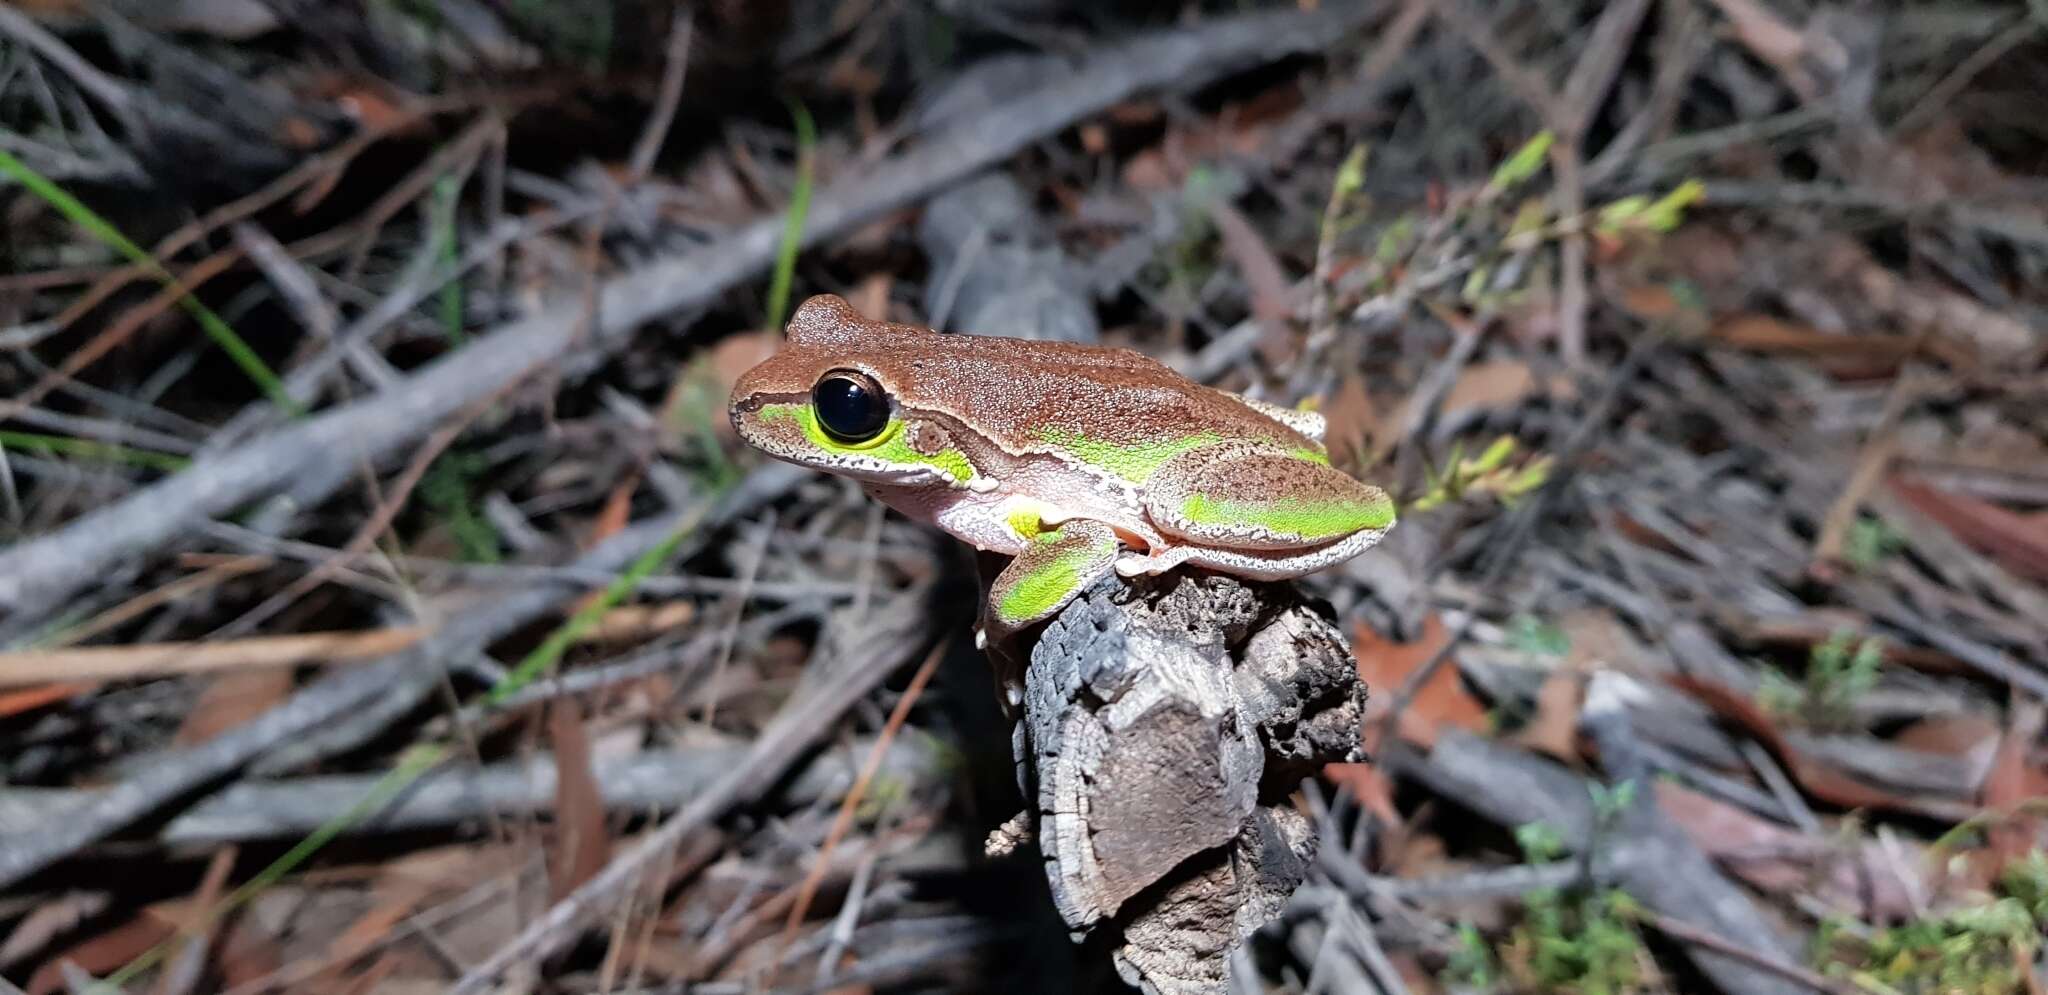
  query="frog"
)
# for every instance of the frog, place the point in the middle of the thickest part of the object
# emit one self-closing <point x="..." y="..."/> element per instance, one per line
<point x="1075" y="461"/>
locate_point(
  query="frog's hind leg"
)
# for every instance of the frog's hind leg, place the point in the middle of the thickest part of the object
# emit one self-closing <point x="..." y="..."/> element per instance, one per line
<point x="1057" y="565"/>
<point x="1240" y="507"/>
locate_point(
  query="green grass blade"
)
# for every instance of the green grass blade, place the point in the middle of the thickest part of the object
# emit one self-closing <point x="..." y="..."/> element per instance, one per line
<point x="216" y="329"/>
<point x="92" y="449"/>
<point x="793" y="223"/>
<point x="448" y="197"/>
<point x="544" y="656"/>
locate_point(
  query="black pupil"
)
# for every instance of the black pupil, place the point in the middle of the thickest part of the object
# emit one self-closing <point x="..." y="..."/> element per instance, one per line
<point x="851" y="409"/>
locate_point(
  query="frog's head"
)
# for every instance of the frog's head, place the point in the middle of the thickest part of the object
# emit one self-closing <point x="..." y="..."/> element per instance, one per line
<point x="832" y="399"/>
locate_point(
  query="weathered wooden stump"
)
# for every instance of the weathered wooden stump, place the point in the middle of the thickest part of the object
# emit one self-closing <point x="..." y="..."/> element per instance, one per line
<point x="1164" y="723"/>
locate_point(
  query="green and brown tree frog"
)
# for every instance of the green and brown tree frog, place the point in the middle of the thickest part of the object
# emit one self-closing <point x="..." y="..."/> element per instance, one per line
<point x="1073" y="460"/>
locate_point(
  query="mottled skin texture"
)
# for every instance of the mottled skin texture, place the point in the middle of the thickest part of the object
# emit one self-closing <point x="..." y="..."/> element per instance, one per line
<point x="1073" y="459"/>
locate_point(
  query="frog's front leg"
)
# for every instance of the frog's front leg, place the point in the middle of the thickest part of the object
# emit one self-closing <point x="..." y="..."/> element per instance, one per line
<point x="1056" y="565"/>
<point x="1258" y="513"/>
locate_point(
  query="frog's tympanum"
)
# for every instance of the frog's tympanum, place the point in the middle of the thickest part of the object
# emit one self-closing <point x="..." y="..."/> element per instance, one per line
<point x="1074" y="460"/>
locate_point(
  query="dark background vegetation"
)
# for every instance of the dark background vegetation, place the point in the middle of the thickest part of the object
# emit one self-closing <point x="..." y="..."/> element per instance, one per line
<point x="365" y="480"/>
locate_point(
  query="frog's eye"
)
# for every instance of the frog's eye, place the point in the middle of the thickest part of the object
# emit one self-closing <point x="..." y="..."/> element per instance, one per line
<point x="850" y="406"/>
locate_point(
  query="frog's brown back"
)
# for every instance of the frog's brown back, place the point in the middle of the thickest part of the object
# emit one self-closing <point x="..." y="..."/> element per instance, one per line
<point x="1026" y="393"/>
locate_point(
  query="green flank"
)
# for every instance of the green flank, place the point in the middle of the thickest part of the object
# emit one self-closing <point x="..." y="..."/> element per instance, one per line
<point x="1308" y="519"/>
<point x="1136" y="462"/>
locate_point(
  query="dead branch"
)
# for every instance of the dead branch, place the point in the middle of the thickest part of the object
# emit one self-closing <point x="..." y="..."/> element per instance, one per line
<point x="1165" y="722"/>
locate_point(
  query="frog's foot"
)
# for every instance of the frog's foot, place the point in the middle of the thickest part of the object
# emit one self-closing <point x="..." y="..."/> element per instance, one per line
<point x="1132" y="564"/>
<point x="1236" y="499"/>
<point x="1057" y="565"/>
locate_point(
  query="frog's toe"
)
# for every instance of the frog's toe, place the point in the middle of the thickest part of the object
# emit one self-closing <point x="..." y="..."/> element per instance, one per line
<point x="1056" y="566"/>
<point x="1139" y="564"/>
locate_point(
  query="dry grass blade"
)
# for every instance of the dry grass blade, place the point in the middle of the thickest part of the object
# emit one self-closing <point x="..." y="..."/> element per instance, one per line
<point x="808" y="890"/>
<point x="134" y="662"/>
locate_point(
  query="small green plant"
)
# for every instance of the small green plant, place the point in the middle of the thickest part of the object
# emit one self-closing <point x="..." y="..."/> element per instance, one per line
<point x="90" y="449"/>
<point x="1976" y="950"/>
<point x="1870" y="542"/>
<point x="1487" y="473"/>
<point x="1980" y="949"/>
<point x="1839" y="673"/>
<point x="1541" y="843"/>
<point x="1536" y="637"/>
<point x="1472" y="963"/>
<point x="1576" y="940"/>
<point x="1639" y="214"/>
<point x="1518" y="168"/>
<point x="448" y="490"/>
<point x="2026" y="881"/>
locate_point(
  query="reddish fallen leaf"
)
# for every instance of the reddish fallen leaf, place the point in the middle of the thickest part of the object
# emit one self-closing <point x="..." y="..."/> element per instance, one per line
<point x="2015" y="783"/>
<point x="1490" y="386"/>
<point x="1650" y="301"/>
<point x="1271" y="291"/>
<point x="1555" y="728"/>
<point x="871" y="298"/>
<point x="2006" y="536"/>
<point x="1441" y="700"/>
<point x="585" y="844"/>
<point x="229" y="700"/>
<point x="617" y="510"/>
<point x="51" y="918"/>
<point x="29" y="699"/>
<point x="1971" y="737"/>
<point x="1763" y="333"/>
<point x="1820" y="780"/>
<point x="1369" y="785"/>
<point x="1352" y="422"/>
<point x="1859" y="879"/>
<point x="105" y="952"/>
<point x="399" y="900"/>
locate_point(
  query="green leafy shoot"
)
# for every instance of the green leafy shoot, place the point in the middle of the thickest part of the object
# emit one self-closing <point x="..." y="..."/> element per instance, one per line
<point x="1584" y="943"/>
<point x="793" y="223"/>
<point x="1350" y="176"/>
<point x="1839" y="673"/>
<point x="448" y="489"/>
<point x="216" y="329"/>
<point x="91" y="449"/>
<point x="1536" y="637"/>
<point x="543" y="658"/>
<point x="1638" y="213"/>
<point x="1518" y="168"/>
<point x="1472" y="964"/>
<point x="1489" y="473"/>
<point x="1575" y="940"/>
<point x="1870" y="542"/>
<point x="1541" y="843"/>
